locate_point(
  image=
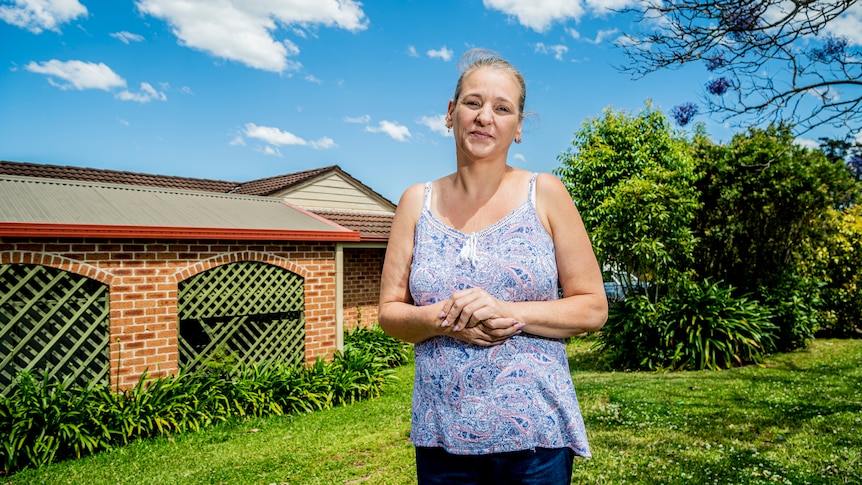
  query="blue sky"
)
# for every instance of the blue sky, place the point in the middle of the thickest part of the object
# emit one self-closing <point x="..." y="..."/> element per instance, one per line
<point x="244" y="89"/>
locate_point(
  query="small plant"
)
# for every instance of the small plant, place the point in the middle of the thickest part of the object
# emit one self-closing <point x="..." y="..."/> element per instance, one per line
<point x="696" y="326"/>
<point x="372" y="340"/>
<point x="706" y="327"/>
<point x="44" y="421"/>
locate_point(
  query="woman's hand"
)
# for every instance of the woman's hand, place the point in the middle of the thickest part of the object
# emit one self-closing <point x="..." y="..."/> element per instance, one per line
<point x="474" y="316"/>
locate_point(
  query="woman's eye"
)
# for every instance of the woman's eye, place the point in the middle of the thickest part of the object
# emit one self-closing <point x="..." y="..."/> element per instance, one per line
<point x="503" y="109"/>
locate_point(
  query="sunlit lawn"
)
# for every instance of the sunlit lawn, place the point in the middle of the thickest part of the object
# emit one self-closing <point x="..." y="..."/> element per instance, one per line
<point x="795" y="420"/>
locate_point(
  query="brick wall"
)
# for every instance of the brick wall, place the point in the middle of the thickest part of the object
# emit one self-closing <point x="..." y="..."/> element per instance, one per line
<point x="143" y="277"/>
<point x="362" y="269"/>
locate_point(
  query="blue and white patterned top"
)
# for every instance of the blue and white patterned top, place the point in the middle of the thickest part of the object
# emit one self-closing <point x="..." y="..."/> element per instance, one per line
<point x="514" y="396"/>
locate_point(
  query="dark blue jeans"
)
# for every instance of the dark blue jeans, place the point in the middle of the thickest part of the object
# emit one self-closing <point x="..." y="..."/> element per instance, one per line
<point x="540" y="466"/>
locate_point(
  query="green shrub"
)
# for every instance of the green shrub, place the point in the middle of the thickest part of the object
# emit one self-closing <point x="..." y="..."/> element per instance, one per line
<point x="42" y="422"/>
<point x="696" y="326"/>
<point x="708" y="328"/>
<point x="631" y="338"/>
<point x="46" y="421"/>
<point x="796" y="306"/>
<point x="841" y="294"/>
<point x="374" y="341"/>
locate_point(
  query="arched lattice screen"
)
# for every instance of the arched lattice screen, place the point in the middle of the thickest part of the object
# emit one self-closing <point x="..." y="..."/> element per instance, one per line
<point x="246" y="311"/>
<point x="53" y="324"/>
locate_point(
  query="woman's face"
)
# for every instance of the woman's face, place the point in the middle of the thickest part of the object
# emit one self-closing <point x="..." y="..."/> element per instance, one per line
<point x="485" y="119"/>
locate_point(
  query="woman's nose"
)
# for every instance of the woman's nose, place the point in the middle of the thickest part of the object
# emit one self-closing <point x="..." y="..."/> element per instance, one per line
<point x="483" y="116"/>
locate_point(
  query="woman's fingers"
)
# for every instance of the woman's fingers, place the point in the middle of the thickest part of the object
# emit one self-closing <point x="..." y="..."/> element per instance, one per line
<point x="465" y="309"/>
<point x="489" y="332"/>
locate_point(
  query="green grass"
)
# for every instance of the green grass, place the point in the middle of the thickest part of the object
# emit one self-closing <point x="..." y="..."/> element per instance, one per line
<point x="795" y="420"/>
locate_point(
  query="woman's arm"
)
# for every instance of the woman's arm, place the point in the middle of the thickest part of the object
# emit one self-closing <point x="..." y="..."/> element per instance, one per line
<point x="583" y="307"/>
<point x="397" y="315"/>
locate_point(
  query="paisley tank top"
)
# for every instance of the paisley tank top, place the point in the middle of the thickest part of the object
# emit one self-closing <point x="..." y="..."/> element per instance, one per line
<point x="514" y="396"/>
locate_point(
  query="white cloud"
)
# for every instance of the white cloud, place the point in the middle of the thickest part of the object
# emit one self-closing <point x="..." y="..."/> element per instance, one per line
<point x="268" y="150"/>
<point x="277" y="137"/>
<point x="313" y="79"/>
<point x="359" y="119"/>
<point x="323" y="143"/>
<point x="78" y="74"/>
<point x="442" y="53"/>
<point x="243" y="31"/>
<point x="411" y="51"/>
<point x="848" y="25"/>
<point x="39" y="15"/>
<point x="807" y="143"/>
<point x="558" y="50"/>
<point x="538" y="14"/>
<point x="394" y="130"/>
<point x="602" y="35"/>
<point x="437" y="124"/>
<point x="126" y="37"/>
<point x="520" y="157"/>
<point x="573" y="33"/>
<point x="146" y="94"/>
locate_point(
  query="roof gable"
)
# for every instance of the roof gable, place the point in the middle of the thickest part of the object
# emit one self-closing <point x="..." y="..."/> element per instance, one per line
<point x="335" y="190"/>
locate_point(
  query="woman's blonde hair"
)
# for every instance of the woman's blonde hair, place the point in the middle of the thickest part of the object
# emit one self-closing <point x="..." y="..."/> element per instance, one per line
<point x="475" y="58"/>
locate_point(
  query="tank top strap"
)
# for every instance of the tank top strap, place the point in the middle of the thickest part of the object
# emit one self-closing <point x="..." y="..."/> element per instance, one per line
<point x="533" y="188"/>
<point x="427" y="202"/>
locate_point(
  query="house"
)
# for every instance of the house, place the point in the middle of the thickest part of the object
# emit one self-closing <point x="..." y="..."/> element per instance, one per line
<point x="107" y="274"/>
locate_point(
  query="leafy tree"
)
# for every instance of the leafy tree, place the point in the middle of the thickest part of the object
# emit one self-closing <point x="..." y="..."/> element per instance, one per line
<point x="771" y="60"/>
<point x="633" y="179"/>
<point x="839" y="259"/>
<point x="765" y="212"/>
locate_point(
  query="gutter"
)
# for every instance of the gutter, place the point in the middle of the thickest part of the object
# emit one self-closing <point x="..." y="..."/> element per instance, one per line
<point x="37" y="229"/>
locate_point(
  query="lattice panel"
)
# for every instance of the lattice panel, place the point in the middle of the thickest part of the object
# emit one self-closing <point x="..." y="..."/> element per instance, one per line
<point x="251" y="311"/>
<point x="52" y="322"/>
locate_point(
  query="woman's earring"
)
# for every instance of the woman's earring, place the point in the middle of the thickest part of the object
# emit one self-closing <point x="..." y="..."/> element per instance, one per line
<point x="517" y="139"/>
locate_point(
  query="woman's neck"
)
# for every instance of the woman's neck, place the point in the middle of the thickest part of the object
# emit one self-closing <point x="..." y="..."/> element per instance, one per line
<point x="479" y="180"/>
<point x="474" y="197"/>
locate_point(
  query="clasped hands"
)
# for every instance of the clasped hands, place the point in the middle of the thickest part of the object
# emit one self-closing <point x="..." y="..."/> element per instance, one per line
<point x="476" y="317"/>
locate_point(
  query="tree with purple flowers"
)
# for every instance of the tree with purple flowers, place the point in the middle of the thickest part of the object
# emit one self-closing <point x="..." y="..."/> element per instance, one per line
<point x="773" y="61"/>
<point x="684" y="113"/>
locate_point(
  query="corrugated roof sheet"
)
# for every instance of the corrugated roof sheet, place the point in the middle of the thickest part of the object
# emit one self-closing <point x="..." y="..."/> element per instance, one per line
<point x="373" y="227"/>
<point x="46" y="201"/>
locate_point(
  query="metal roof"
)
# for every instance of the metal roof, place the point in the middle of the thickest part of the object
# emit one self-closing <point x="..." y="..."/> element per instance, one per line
<point x="371" y="227"/>
<point x="36" y="206"/>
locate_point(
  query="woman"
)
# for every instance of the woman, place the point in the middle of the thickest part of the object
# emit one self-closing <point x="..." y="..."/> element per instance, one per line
<point x="471" y="277"/>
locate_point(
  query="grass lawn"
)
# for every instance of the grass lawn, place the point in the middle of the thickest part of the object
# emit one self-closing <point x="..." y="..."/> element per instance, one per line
<point x="795" y="420"/>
